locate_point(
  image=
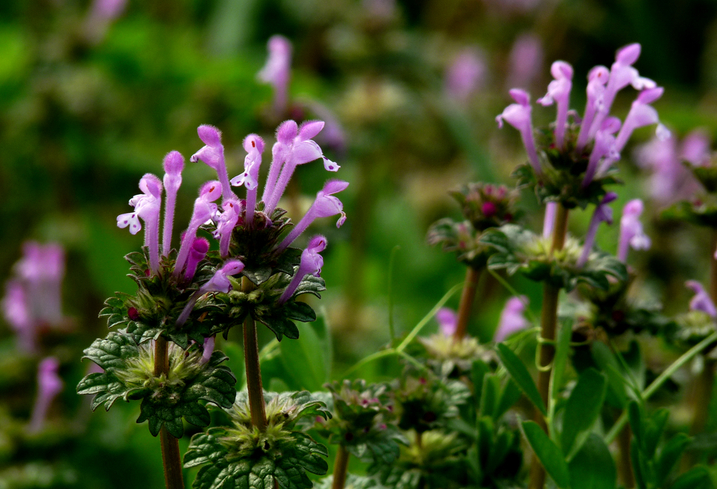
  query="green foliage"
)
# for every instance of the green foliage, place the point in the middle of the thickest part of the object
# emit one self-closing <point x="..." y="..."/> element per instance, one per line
<point x="518" y="249"/>
<point x="582" y="410"/>
<point x="548" y="453"/>
<point x="653" y="462"/>
<point x="592" y="467"/>
<point x="241" y="456"/>
<point x="166" y="399"/>
<point x="520" y="375"/>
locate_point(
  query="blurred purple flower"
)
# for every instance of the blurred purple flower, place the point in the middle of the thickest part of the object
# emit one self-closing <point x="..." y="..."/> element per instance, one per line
<point x="277" y="71"/>
<point x="525" y="61"/>
<point x="447" y="321"/>
<point x="33" y="296"/>
<point x="631" y="232"/>
<point x="49" y="385"/>
<point x="102" y="13"/>
<point x="696" y="148"/>
<point x="549" y="220"/>
<point x="465" y="75"/>
<point x="512" y="318"/>
<point x="701" y="300"/>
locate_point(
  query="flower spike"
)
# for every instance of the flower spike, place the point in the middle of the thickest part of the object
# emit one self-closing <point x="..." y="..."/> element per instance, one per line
<point x="212" y="153"/>
<point x="519" y="116"/>
<point x="325" y="205"/>
<point x="311" y="263"/>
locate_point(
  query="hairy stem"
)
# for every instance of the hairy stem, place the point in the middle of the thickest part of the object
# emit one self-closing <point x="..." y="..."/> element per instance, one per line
<point x="548" y="323"/>
<point x="253" y="372"/>
<point x="341" y="465"/>
<point x="171" y="459"/>
<point x="466" y="304"/>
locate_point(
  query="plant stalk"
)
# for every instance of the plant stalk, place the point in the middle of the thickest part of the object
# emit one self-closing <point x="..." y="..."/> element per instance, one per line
<point x="466" y="304"/>
<point x="341" y="465"/>
<point x="253" y="372"/>
<point x="624" y="464"/>
<point x="548" y="325"/>
<point x="171" y="458"/>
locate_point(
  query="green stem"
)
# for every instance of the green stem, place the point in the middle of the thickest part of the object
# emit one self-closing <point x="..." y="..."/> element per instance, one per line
<point x="171" y="458"/>
<point x="253" y="371"/>
<point x="657" y="383"/>
<point x="466" y="303"/>
<point x="548" y="324"/>
<point x="341" y="465"/>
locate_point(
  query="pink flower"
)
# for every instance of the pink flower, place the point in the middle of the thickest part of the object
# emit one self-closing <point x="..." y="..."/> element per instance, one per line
<point x="49" y="385"/>
<point x="602" y="213"/>
<point x="512" y="319"/>
<point x="146" y="207"/>
<point x="254" y="146"/>
<point x="447" y="321"/>
<point x="701" y="301"/>
<point x="631" y="232"/>
<point x="277" y="71"/>
<point x="311" y="264"/>
<point x="173" y="166"/>
<point x="519" y="116"/>
<point x="559" y="93"/>
<point x="465" y="75"/>
<point x="212" y="153"/>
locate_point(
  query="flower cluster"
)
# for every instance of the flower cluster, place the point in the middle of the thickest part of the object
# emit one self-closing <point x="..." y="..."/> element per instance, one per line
<point x="571" y="163"/>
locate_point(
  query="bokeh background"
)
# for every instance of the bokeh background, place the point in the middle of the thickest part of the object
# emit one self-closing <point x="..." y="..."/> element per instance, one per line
<point x="94" y="94"/>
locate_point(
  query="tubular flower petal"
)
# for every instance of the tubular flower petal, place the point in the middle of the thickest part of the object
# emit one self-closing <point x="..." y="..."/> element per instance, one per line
<point x="325" y="205"/>
<point x="199" y="250"/>
<point x="519" y="116"/>
<point x="311" y="263"/>
<point x="218" y="283"/>
<point x="602" y="213"/>
<point x="212" y="154"/>
<point x="559" y="93"/>
<point x="277" y="71"/>
<point x="173" y="166"/>
<point x="641" y="114"/>
<point x="146" y="207"/>
<point x="226" y="222"/>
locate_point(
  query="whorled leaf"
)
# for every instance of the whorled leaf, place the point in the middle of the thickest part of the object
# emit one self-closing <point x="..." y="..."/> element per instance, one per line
<point x="520" y="250"/>
<point x="166" y="399"/>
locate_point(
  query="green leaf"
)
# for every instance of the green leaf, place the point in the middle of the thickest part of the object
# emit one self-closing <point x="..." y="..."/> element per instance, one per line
<point x="669" y="455"/>
<point x="561" y="357"/>
<point x="520" y="375"/>
<point x="697" y="478"/>
<point x="479" y="369"/>
<point x="593" y="466"/>
<point x="582" y="408"/>
<point x="610" y="366"/>
<point x="509" y="395"/>
<point x="304" y="360"/>
<point x="488" y="398"/>
<point x="548" y="453"/>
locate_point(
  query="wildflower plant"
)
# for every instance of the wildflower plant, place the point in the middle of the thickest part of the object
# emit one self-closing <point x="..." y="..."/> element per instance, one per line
<point x="161" y="346"/>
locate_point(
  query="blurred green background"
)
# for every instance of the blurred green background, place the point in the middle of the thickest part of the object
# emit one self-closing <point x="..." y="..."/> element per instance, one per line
<point x="88" y="106"/>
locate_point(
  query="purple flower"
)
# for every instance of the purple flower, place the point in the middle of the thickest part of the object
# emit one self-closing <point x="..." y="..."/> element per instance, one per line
<point x="701" y="300"/>
<point x="597" y="79"/>
<point x="146" y="207"/>
<point x="631" y="233"/>
<point x="325" y="205"/>
<point x="277" y="71"/>
<point x="602" y="213"/>
<point x="465" y="75"/>
<point x="212" y="153"/>
<point x="559" y="93"/>
<point x="204" y="210"/>
<point x="226" y="222"/>
<point x="525" y="60"/>
<point x="511" y="319"/>
<point x="518" y="115"/>
<point x="254" y="146"/>
<point x="199" y="250"/>
<point x="696" y="148"/>
<point x="218" y="283"/>
<point x="49" y="385"/>
<point x="294" y="146"/>
<point x="333" y="134"/>
<point x="642" y="114"/>
<point x="604" y="150"/>
<point x="101" y="15"/>
<point x="447" y="321"/>
<point x="173" y="166"/>
<point x="311" y="263"/>
<point x="18" y="315"/>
